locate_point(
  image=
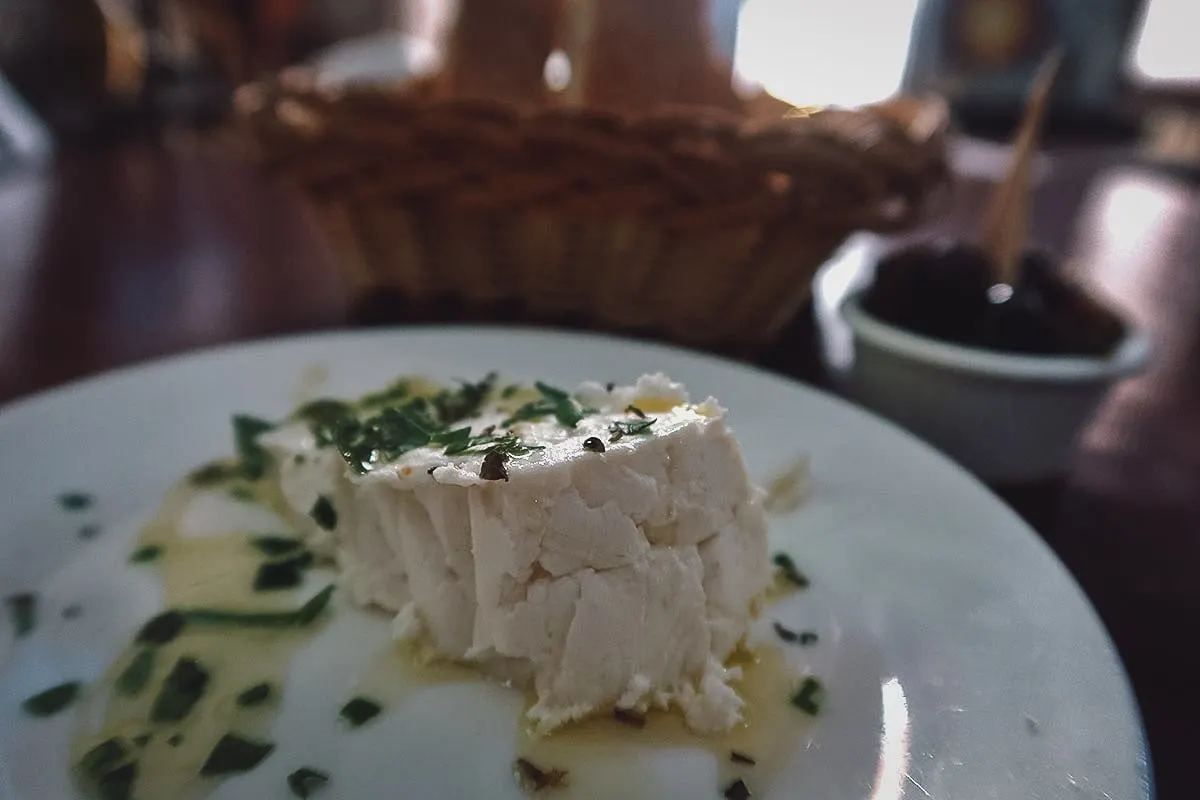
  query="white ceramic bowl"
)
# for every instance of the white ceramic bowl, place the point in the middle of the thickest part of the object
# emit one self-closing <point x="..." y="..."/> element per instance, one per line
<point x="1005" y="417"/>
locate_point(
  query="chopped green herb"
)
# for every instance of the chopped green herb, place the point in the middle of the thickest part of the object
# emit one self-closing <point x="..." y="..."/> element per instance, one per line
<point x="118" y="783"/>
<point x="737" y="791"/>
<point x="22" y="608"/>
<point x="359" y="711"/>
<point x="394" y="393"/>
<point x="806" y="638"/>
<point x="53" y="700"/>
<point x="145" y="554"/>
<point x="493" y="468"/>
<point x="103" y="758"/>
<point x="235" y="754"/>
<point x="629" y="716"/>
<point x="89" y="531"/>
<point x="175" y="739"/>
<point x="619" y="430"/>
<point x="212" y="474"/>
<point x="134" y="677"/>
<point x="593" y="444"/>
<point x="72" y="611"/>
<point x="786" y="634"/>
<point x="788" y="571"/>
<point x="182" y="689"/>
<point x="306" y="781"/>
<point x="303" y="616"/>
<point x="324" y="514"/>
<point x="256" y="695"/>
<point x="161" y="629"/>
<point x="252" y="456"/>
<point x="275" y="545"/>
<point x="286" y="573"/>
<point x="142" y="739"/>
<point x="324" y="411"/>
<point x="741" y="758"/>
<point x="533" y="778"/>
<point x="467" y="401"/>
<point x="553" y="401"/>
<point x="809" y="697"/>
<point x="242" y="494"/>
<point x="637" y="412"/>
<point x="509" y="391"/>
<point x="75" y="501"/>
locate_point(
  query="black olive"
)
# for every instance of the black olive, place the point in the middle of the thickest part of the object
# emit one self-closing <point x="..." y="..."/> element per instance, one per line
<point x="593" y="444"/>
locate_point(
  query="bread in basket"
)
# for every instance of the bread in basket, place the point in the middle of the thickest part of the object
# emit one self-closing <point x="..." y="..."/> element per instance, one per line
<point x="645" y="196"/>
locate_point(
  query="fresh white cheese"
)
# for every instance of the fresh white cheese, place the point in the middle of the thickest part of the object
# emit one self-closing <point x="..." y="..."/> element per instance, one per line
<point x="625" y="577"/>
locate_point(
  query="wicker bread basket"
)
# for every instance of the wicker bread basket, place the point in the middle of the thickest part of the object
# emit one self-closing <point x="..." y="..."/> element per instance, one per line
<point x="700" y="225"/>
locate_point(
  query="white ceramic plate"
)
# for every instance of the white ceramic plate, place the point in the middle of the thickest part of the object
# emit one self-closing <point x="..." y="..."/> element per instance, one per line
<point x="961" y="659"/>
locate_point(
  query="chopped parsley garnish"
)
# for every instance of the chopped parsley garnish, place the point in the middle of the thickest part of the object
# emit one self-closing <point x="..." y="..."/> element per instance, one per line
<point x="593" y="444"/>
<point x="22" y="608"/>
<point x="388" y="396"/>
<point x="242" y="494"/>
<point x="103" y="758"/>
<point x="117" y="784"/>
<point x="235" y="754"/>
<point x="533" y="778"/>
<point x="637" y="412"/>
<point x="89" y="531"/>
<point x="619" y="430"/>
<point x="509" y="391"/>
<point x="275" y="545"/>
<point x="306" y="781"/>
<point x="809" y="697"/>
<point x="252" y="455"/>
<point x="630" y="716"/>
<point x="359" y="711"/>
<point x="737" y="791"/>
<point x="793" y="637"/>
<point x="136" y="675"/>
<point x="455" y="405"/>
<point x="182" y="689"/>
<point x="287" y="573"/>
<point x="786" y="569"/>
<point x="146" y="554"/>
<point x="161" y="629"/>
<point x="212" y="474"/>
<point x="75" y="501"/>
<point x="324" y="514"/>
<point x="741" y="758"/>
<point x="323" y="411"/>
<point x="554" y="402"/>
<point x="493" y="467"/>
<point x="53" y="700"/>
<point x="256" y="695"/>
<point x="303" y="616"/>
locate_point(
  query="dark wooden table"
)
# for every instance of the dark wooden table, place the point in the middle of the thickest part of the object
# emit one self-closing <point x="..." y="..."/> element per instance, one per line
<point x="139" y="250"/>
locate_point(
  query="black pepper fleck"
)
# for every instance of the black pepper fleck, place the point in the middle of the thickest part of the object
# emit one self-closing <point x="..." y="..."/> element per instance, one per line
<point x="737" y="791"/>
<point x="741" y="758"/>
<point x="593" y="444"/>
<point x="493" y="468"/>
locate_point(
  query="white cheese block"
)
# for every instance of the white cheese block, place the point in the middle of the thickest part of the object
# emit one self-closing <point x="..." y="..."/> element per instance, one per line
<point x="625" y="578"/>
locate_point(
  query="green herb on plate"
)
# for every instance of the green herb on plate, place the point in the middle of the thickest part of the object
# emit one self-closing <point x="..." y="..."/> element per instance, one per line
<point x="212" y="474"/>
<point x="809" y="697"/>
<point x="52" y="700"/>
<point x="306" y="781"/>
<point x="136" y="675"/>
<point x="22" y="608"/>
<point x="359" y="711"/>
<point x="103" y="758"/>
<point x="256" y="695"/>
<point x="738" y="757"/>
<point x="146" y="554"/>
<point x="252" y="456"/>
<point x="323" y="513"/>
<point x="619" y="430"/>
<point x="181" y="690"/>
<point x="117" y="784"/>
<point x="234" y="754"/>
<point x="75" y="501"/>
<point x="161" y="629"/>
<point x="302" y="617"/>
<point x="786" y="569"/>
<point x="286" y="573"/>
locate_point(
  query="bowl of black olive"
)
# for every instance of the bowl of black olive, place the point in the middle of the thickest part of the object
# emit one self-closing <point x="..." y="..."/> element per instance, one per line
<point x="999" y="375"/>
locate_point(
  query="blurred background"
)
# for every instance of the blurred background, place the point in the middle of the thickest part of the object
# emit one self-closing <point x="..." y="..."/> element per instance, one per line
<point x="132" y="226"/>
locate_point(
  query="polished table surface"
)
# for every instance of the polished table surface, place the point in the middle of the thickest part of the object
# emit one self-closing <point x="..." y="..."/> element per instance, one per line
<point x="137" y="250"/>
